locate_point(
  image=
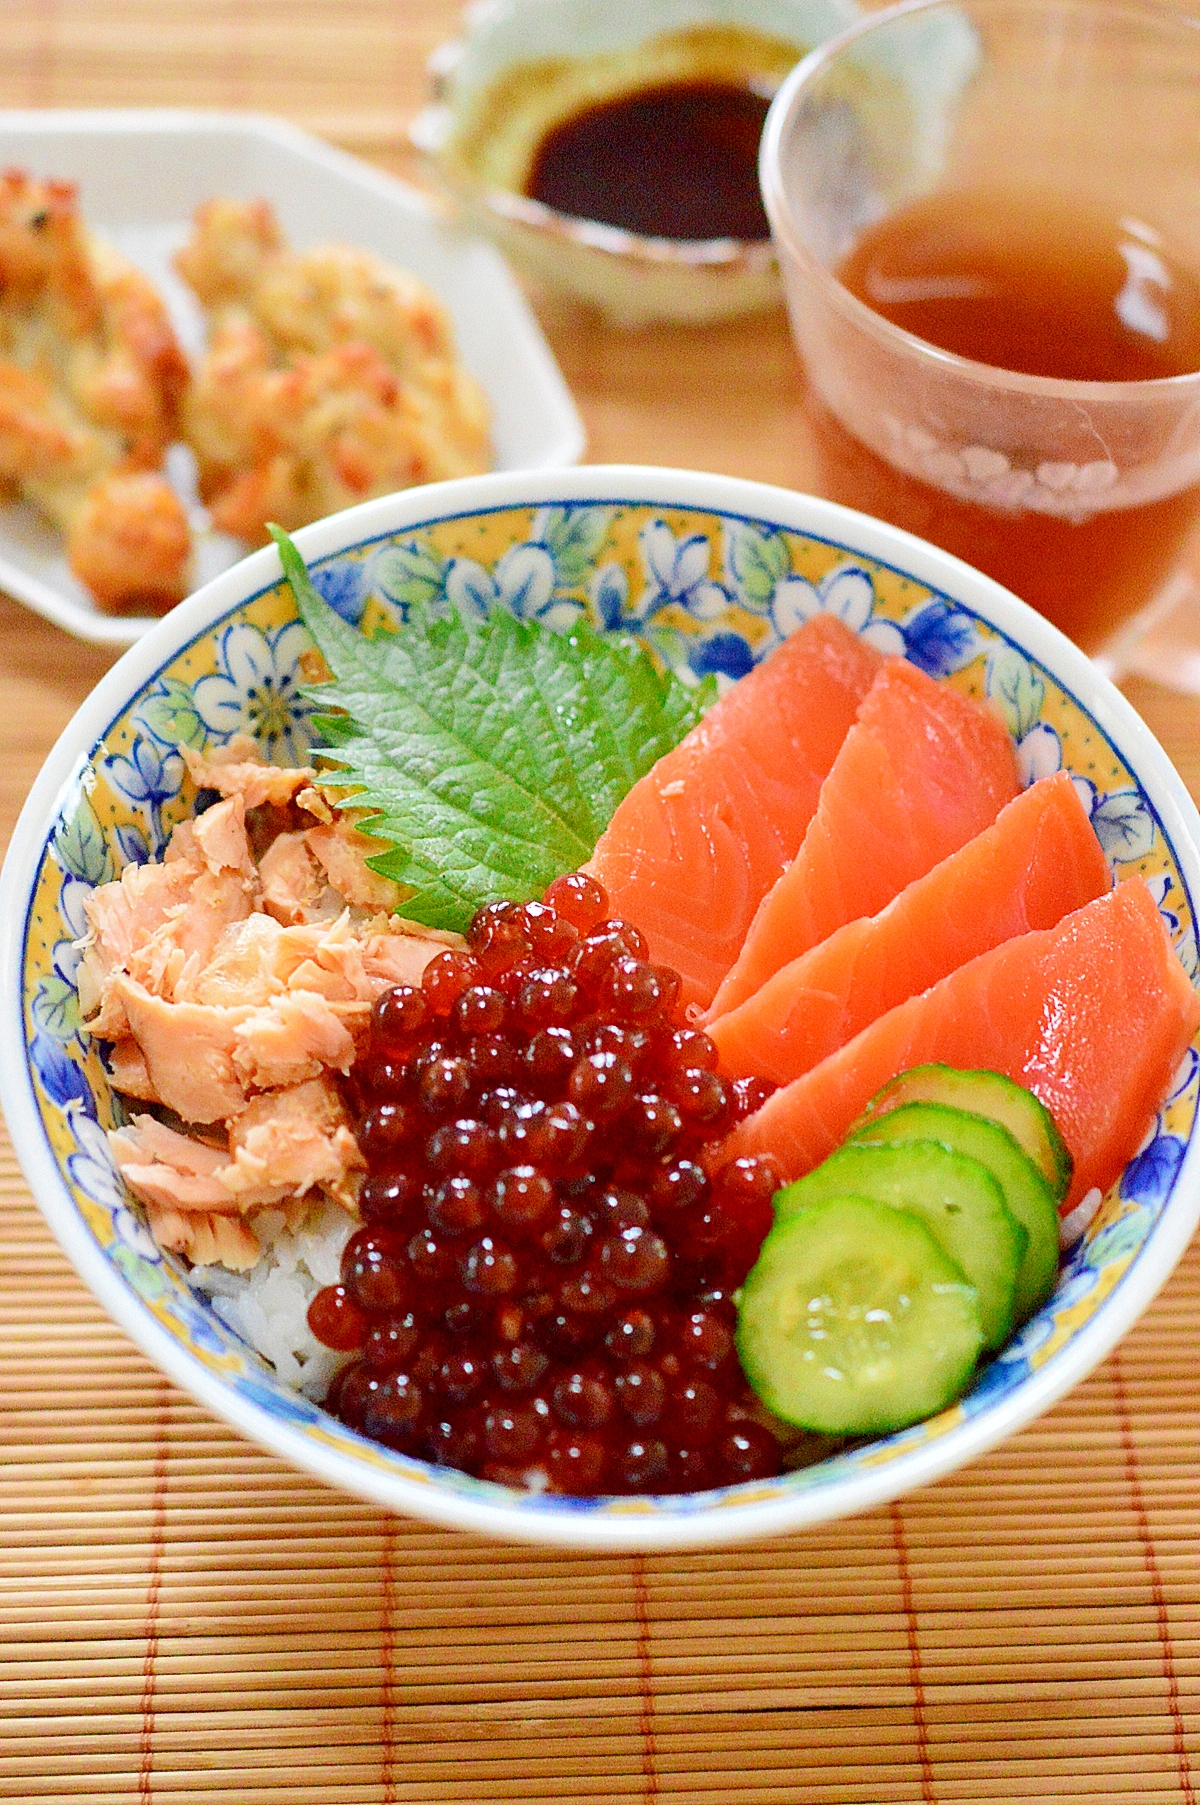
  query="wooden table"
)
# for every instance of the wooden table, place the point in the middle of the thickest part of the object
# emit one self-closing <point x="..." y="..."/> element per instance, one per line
<point x="183" y="1616"/>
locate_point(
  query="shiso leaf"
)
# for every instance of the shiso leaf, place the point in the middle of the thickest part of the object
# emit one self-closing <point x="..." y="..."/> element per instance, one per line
<point x="491" y="754"/>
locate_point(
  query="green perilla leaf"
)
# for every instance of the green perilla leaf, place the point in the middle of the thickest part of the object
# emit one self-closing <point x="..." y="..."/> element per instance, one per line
<point x="491" y="755"/>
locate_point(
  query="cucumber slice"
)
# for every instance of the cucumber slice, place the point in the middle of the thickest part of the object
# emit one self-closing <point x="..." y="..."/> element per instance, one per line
<point x="988" y="1094"/>
<point x="957" y="1199"/>
<point x="1025" y="1190"/>
<point x="853" y="1321"/>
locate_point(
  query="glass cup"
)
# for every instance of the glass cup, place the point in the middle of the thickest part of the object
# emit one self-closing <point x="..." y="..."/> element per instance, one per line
<point x="1081" y="496"/>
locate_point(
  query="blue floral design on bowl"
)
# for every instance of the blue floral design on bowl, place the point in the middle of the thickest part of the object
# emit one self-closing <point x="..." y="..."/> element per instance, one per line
<point x="712" y="575"/>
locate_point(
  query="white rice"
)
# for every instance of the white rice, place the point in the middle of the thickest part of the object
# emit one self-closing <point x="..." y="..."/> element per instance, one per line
<point x="1076" y="1222"/>
<point x="268" y="1306"/>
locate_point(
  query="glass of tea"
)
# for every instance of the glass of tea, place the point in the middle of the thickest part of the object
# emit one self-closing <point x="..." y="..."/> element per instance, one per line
<point x="987" y="214"/>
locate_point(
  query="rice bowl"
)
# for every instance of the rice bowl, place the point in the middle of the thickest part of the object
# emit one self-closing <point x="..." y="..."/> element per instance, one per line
<point x="637" y="571"/>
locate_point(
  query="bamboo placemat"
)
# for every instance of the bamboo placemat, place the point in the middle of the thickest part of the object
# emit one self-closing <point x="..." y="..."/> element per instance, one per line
<point x="181" y="1616"/>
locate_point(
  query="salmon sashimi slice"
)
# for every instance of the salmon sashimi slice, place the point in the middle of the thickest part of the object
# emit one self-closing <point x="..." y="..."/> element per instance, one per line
<point x="1093" y="1016"/>
<point x="697" y="843"/>
<point x="922" y="771"/>
<point x="1039" y="861"/>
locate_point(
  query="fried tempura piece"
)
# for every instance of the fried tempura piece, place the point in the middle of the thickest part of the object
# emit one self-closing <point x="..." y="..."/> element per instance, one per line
<point x="329" y="377"/>
<point x="91" y="379"/>
<point x="130" y="543"/>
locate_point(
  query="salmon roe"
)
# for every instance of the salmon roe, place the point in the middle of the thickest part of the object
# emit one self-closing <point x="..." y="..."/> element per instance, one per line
<point x="540" y="1292"/>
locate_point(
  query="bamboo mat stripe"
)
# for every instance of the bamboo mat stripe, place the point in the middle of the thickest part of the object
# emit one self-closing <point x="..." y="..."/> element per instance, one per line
<point x="1162" y="1622"/>
<point x="154" y="1588"/>
<point x="915" y="1674"/>
<point x="641" y="1605"/>
<point x="387" y="1662"/>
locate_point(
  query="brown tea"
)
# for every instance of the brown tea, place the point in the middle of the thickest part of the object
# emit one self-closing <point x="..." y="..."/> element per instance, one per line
<point x="1005" y="281"/>
<point x="1009" y="281"/>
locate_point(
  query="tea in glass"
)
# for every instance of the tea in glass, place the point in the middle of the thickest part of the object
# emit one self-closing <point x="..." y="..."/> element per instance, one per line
<point x="1008" y="280"/>
<point x="987" y="214"/>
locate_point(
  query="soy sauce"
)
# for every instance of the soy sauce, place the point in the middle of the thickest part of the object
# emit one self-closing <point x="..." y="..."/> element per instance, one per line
<point x="677" y="161"/>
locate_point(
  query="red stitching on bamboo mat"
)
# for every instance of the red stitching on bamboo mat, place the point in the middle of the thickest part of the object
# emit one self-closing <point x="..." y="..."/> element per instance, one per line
<point x="645" y="1679"/>
<point x="915" y="1677"/>
<point x="387" y="1662"/>
<point x="158" y="1525"/>
<point x="1157" y="1593"/>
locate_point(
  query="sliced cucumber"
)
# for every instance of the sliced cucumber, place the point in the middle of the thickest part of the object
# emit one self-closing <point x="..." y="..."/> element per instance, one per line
<point x="988" y="1094"/>
<point x="853" y="1321"/>
<point x="1025" y="1190"/>
<point x="958" y="1200"/>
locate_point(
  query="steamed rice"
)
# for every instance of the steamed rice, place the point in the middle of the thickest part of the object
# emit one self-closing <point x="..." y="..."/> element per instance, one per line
<point x="268" y="1305"/>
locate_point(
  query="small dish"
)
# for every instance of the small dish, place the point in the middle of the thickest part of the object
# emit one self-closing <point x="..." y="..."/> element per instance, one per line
<point x="522" y="66"/>
<point x="141" y="177"/>
<point x="712" y="571"/>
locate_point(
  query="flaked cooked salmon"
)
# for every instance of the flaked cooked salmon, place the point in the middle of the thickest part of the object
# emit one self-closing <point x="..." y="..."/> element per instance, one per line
<point x="283" y="1144"/>
<point x="238" y="769"/>
<point x="204" y="1238"/>
<point x="234" y="980"/>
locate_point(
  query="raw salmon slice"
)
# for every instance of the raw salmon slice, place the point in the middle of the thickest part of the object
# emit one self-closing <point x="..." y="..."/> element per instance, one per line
<point x="921" y="772"/>
<point x="697" y="843"/>
<point x="1037" y="862"/>
<point x="1093" y="1016"/>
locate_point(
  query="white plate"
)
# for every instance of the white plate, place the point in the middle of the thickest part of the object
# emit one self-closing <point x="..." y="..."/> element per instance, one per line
<point x="142" y="175"/>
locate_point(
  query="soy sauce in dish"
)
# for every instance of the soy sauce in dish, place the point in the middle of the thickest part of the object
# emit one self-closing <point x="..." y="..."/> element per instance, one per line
<point x="677" y="161"/>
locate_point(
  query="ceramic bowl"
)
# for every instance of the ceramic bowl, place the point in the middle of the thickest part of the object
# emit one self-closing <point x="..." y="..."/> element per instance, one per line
<point x="712" y="572"/>
<point x="521" y="65"/>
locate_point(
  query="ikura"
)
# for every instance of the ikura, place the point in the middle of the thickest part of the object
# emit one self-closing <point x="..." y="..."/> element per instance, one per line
<point x="541" y="1289"/>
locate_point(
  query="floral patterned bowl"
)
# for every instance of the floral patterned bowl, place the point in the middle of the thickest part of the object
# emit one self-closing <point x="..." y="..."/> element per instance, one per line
<point x="712" y="572"/>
